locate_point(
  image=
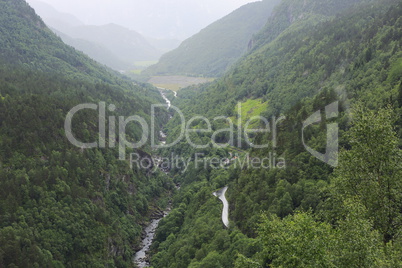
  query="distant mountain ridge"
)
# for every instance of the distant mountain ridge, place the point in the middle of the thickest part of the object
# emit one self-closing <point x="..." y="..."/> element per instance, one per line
<point x="96" y="51"/>
<point x="127" y="45"/>
<point x="53" y="15"/>
<point x="218" y="46"/>
<point x="111" y="44"/>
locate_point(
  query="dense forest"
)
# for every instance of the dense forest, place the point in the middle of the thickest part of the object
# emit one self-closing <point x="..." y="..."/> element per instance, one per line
<point x="319" y="75"/>
<point x="309" y="55"/>
<point x="63" y="206"/>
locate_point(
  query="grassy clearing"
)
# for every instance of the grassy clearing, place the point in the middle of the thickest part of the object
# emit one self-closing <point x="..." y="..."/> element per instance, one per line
<point x="173" y="87"/>
<point x="249" y="109"/>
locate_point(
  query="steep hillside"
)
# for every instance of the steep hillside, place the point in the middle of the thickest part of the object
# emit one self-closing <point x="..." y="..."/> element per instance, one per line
<point x="287" y="207"/>
<point x="27" y="41"/>
<point x="62" y="205"/>
<point x="311" y="54"/>
<point x="290" y="12"/>
<point x="215" y="48"/>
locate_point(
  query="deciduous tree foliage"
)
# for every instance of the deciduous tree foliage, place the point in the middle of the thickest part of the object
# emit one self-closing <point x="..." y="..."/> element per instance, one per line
<point x="371" y="170"/>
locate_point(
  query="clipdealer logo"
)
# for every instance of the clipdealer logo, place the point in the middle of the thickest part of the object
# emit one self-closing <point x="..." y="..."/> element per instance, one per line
<point x="331" y="154"/>
<point x="186" y="129"/>
<point x="108" y="133"/>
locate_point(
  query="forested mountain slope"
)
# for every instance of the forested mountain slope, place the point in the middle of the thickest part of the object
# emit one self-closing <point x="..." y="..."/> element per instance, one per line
<point x="311" y="56"/>
<point x="61" y="205"/>
<point x="215" y="48"/>
<point x="300" y="60"/>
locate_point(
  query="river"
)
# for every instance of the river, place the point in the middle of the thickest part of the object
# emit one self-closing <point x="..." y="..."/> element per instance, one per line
<point x="140" y="258"/>
<point x="168" y="102"/>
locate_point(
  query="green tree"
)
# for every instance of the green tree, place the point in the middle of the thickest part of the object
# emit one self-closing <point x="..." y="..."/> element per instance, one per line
<point x="301" y="240"/>
<point x="243" y="262"/>
<point x="399" y="99"/>
<point x="296" y="241"/>
<point x="357" y="244"/>
<point x="212" y="260"/>
<point x="371" y="169"/>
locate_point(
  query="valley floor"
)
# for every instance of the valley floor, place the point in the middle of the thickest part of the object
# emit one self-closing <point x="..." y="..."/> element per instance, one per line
<point x="177" y="82"/>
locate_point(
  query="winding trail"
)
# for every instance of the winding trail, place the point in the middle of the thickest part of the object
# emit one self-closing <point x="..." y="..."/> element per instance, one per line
<point x="225" y="211"/>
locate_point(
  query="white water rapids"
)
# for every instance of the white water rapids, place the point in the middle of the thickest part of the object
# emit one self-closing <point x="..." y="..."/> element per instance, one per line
<point x="164" y="97"/>
<point x="140" y="257"/>
<point x="168" y="102"/>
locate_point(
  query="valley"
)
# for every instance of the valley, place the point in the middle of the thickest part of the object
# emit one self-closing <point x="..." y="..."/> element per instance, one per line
<point x="279" y="147"/>
<point x="175" y="83"/>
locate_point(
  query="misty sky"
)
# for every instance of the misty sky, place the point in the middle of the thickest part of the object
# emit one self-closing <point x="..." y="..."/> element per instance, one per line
<point x="157" y="18"/>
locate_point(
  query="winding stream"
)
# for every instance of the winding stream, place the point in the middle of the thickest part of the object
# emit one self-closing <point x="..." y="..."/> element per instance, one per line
<point x="225" y="211"/>
<point x="164" y="96"/>
<point x="141" y="258"/>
